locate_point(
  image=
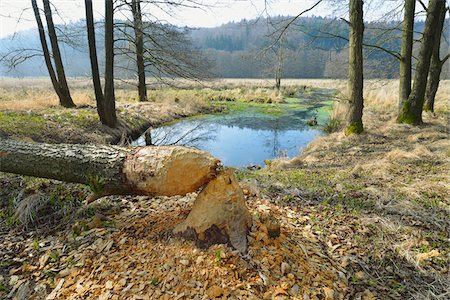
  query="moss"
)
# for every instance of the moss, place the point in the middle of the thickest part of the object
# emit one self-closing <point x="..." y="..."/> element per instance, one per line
<point x="354" y="128"/>
<point x="405" y="116"/>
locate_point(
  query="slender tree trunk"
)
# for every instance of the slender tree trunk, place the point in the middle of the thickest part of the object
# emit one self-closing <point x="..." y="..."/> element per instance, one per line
<point x="219" y="214"/>
<point x="94" y="61"/>
<point x="355" y="70"/>
<point x="48" y="61"/>
<point x="139" y="42"/>
<point x="279" y="69"/>
<point x="406" y="52"/>
<point x="110" y="102"/>
<point x="435" y="66"/>
<point x="66" y="99"/>
<point x="411" y="111"/>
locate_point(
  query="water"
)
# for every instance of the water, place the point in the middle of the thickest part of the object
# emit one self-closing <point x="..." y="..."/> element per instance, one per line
<point x="247" y="137"/>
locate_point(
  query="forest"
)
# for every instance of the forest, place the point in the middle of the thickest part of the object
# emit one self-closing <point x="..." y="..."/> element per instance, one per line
<point x="302" y="155"/>
<point x="318" y="49"/>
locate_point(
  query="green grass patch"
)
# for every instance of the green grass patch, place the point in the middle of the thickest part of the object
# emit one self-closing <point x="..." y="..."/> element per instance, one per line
<point x="22" y="123"/>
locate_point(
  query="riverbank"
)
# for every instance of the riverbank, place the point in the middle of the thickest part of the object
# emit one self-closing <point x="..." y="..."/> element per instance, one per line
<point x="362" y="217"/>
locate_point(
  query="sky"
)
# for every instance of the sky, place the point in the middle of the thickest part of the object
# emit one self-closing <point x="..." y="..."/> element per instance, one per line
<point x="17" y="15"/>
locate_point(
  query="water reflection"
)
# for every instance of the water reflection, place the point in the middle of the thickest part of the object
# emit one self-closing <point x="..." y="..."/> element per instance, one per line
<point x="242" y="139"/>
<point x="250" y="137"/>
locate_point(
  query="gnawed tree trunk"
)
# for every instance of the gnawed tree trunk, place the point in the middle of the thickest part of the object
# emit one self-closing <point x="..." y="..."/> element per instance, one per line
<point x="355" y="69"/>
<point x="435" y="66"/>
<point x="406" y="52"/>
<point x="66" y="99"/>
<point x="219" y="213"/>
<point x="411" y="111"/>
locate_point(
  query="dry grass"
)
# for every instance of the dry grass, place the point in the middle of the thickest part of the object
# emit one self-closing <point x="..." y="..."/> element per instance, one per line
<point x="37" y="93"/>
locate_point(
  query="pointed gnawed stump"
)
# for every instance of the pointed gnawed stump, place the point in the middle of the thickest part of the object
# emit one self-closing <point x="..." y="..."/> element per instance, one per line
<point x="219" y="214"/>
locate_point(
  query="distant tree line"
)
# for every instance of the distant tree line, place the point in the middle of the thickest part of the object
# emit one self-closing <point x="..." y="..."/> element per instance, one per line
<point x="315" y="49"/>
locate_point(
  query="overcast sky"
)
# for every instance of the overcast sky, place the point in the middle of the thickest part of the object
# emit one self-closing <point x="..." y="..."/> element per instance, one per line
<point x="16" y="15"/>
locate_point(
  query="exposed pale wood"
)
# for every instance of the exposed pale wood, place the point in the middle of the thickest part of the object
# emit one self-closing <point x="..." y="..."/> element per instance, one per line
<point x="219" y="214"/>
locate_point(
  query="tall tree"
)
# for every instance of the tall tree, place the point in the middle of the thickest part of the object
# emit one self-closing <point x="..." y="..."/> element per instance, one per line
<point x="43" y="40"/>
<point x="110" y="102"/>
<point x="411" y="110"/>
<point x="139" y="43"/>
<point x="94" y="61"/>
<point x="406" y="52"/>
<point x="65" y="98"/>
<point x="435" y="65"/>
<point x="355" y="69"/>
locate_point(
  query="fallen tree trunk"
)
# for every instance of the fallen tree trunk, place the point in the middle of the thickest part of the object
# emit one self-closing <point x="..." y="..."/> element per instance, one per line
<point x="113" y="170"/>
<point x="219" y="213"/>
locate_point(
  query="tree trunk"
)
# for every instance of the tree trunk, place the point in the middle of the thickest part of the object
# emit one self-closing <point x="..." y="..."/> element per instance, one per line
<point x="411" y="111"/>
<point x="48" y="61"/>
<point x="406" y="52"/>
<point x="110" y="102"/>
<point x="219" y="214"/>
<point x="94" y="61"/>
<point x="139" y="42"/>
<point x="435" y="66"/>
<point x="66" y="99"/>
<point x="279" y="68"/>
<point x="355" y="70"/>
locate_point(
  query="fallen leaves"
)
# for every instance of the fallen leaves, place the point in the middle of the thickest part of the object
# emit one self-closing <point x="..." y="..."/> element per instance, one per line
<point x="427" y="255"/>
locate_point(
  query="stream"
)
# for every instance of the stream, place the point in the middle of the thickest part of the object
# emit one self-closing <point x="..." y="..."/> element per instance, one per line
<point x="250" y="136"/>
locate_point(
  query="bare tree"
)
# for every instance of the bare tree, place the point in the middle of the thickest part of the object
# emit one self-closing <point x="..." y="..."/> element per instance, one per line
<point x="411" y="111"/>
<point x="110" y="102"/>
<point x="43" y="40"/>
<point x="157" y="48"/>
<point x="58" y="79"/>
<point x="435" y="65"/>
<point x="65" y="98"/>
<point x="279" y="68"/>
<point x="406" y="52"/>
<point x="139" y="43"/>
<point x="355" y="70"/>
<point x="94" y="61"/>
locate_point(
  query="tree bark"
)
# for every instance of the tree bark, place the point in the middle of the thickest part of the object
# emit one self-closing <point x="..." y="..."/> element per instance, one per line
<point x="110" y="102"/>
<point x="406" y="52"/>
<point x="435" y="66"/>
<point x="48" y="61"/>
<point x="219" y="214"/>
<point x="279" y="68"/>
<point x="411" y="111"/>
<point x="139" y="42"/>
<point x="355" y="70"/>
<point x="66" y="99"/>
<point x="94" y="61"/>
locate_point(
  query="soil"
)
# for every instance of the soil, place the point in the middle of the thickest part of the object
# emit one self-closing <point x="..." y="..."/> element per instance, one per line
<point x="362" y="217"/>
